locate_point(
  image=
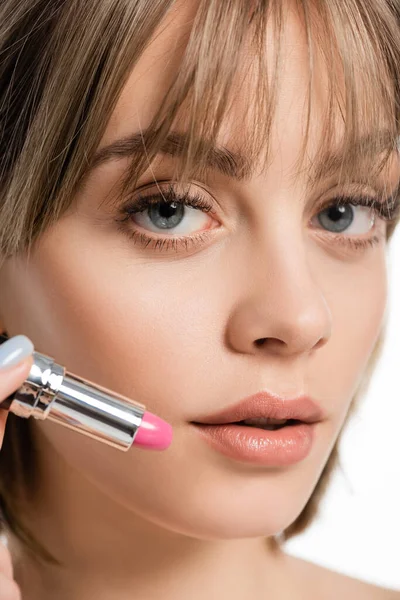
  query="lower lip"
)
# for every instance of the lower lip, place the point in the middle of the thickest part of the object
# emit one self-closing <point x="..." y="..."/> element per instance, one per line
<point x="279" y="447"/>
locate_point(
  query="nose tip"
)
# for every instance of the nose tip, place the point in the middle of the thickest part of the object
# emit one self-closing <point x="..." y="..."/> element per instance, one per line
<point x="282" y="306"/>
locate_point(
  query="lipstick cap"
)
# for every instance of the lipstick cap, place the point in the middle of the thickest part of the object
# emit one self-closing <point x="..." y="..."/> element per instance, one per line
<point x="49" y="392"/>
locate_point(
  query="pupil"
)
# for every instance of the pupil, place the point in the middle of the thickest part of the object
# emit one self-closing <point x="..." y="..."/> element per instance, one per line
<point x="334" y="212"/>
<point x="166" y="210"/>
<point x="166" y="215"/>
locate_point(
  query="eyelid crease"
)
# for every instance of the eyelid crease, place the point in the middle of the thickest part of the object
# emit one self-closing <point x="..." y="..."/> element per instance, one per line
<point x="169" y="196"/>
<point x="387" y="207"/>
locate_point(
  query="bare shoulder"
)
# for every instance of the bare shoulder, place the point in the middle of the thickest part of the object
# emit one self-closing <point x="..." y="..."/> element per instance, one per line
<point x="321" y="582"/>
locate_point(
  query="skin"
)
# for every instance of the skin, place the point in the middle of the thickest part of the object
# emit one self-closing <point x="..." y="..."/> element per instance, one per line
<point x="177" y="332"/>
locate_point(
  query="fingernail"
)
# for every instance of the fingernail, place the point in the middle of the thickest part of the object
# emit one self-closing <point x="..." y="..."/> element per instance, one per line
<point x="14" y="350"/>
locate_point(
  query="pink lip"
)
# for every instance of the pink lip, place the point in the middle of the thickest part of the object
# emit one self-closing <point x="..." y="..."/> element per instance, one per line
<point x="268" y="405"/>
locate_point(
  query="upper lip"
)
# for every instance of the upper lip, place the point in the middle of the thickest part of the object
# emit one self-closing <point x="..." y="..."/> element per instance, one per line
<point x="268" y="405"/>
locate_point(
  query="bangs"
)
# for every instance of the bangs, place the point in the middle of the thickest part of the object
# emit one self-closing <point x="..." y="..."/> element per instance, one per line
<point x="353" y="54"/>
<point x="360" y="72"/>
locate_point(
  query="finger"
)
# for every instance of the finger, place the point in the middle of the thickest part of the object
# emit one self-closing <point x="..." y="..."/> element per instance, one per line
<point x="14" y="355"/>
<point x="13" y="377"/>
<point x="10" y="380"/>
<point x="9" y="590"/>
<point x="6" y="566"/>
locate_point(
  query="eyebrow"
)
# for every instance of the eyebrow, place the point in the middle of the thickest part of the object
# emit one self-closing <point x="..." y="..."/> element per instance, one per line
<point x="367" y="145"/>
<point x="232" y="164"/>
<point x="235" y="165"/>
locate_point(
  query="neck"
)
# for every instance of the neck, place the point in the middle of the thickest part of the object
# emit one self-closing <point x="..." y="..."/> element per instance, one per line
<point x="215" y="570"/>
<point x="108" y="551"/>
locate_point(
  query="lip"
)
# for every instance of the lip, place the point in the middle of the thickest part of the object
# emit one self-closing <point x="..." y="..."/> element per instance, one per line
<point x="270" y="448"/>
<point x="267" y="405"/>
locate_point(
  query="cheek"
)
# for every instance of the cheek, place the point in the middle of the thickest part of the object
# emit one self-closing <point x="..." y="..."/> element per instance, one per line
<point x="143" y="330"/>
<point x="362" y="311"/>
<point x="357" y="298"/>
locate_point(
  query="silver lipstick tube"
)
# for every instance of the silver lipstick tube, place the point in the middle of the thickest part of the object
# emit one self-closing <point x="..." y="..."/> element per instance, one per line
<point x="51" y="392"/>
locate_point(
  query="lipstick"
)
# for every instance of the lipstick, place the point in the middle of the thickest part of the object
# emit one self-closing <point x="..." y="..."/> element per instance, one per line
<point x="50" y="392"/>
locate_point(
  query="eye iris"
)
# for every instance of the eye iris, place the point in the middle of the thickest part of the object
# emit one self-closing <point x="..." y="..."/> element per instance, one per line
<point x="335" y="213"/>
<point x="166" y="215"/>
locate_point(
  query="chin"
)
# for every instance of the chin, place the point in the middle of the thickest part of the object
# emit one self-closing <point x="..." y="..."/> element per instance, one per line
<point x="213" y="529"/>
<point x="209" y="521"/>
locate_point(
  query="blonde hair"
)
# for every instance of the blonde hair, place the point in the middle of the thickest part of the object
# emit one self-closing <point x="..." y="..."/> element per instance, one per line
<point x="63" y="65"/>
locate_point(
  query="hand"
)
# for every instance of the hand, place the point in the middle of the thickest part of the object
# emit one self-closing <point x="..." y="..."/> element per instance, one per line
<point x="9" y="590"/>
<point x="11" y="378"/>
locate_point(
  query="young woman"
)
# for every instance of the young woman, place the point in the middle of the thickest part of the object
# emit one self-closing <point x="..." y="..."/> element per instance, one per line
<point x="196" y="199"/>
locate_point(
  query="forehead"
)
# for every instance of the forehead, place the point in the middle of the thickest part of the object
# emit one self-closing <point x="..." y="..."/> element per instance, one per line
<point x="150" y="79"/>
<point x="159" y="64"/>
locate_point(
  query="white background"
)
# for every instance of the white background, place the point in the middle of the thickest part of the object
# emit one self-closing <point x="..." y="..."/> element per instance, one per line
<point x="358" y="530"/>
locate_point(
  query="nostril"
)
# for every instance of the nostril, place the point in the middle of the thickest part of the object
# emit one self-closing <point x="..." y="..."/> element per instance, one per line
<point x="269" y="340"/>
<point x="260" y="342"/>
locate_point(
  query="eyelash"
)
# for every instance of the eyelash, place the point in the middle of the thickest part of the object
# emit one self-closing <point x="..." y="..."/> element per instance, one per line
<point x="387" y="210"/>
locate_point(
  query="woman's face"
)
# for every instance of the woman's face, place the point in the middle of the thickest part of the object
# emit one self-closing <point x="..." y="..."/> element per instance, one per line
<point x="176" y="329"/>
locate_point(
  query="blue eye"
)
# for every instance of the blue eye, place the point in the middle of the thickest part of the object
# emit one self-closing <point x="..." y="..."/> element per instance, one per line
<point x="170" y="215"/>
<point x="338" y="216"/>
<point x="171" y="212"/>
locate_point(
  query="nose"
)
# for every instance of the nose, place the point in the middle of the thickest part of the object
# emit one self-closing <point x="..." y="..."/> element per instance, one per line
<point x="283" y="309"/>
